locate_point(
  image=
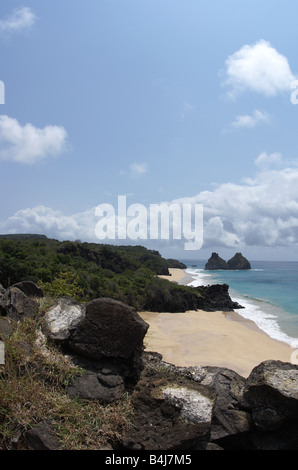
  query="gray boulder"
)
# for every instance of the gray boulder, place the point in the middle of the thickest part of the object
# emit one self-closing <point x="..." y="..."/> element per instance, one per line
<point x="17" y="305"/>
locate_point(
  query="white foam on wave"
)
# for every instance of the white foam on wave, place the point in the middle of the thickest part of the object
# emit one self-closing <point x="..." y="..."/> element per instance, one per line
<point x="265" y="321"/>
<point x="200" y="277"/>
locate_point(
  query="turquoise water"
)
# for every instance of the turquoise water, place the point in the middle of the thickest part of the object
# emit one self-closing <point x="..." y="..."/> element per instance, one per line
<point x="268" y="291"/>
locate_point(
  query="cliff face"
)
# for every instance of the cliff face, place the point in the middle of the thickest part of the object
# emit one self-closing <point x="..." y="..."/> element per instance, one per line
<point x="238" y="261"/>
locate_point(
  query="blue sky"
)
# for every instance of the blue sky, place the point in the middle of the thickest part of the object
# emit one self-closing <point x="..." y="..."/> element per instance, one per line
<point x="161" y="101"/>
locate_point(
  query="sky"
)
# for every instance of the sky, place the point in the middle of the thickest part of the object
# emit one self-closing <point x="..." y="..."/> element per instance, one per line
<point x="189" y="103"/>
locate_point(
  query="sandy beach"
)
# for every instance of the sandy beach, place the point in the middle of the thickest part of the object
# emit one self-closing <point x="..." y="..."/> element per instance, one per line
<point x="210" y="338"/>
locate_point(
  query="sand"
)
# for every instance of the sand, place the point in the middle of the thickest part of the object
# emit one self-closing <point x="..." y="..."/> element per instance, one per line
<point x="210" y="338"/>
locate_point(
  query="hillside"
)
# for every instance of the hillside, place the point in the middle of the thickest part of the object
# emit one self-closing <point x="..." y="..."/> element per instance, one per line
<point x="126" y="273"/>
<point x="87" y="271"/>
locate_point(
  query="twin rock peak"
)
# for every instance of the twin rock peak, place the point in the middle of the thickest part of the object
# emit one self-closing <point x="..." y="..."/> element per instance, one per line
<point x="237" y="262"/>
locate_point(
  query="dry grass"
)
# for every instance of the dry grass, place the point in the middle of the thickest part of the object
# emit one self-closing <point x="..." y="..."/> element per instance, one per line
<point x="33" y="389"/>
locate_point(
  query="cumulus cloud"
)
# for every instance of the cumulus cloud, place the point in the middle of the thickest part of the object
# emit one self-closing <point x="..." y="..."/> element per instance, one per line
<point x="53" y="223"/>
<point x="258" y="212"/>
<point x="21" y="19"/>
<point x="138" y="169"/>
<point x="250" y="120"/>
<point x="29" y="144"/>
<point x="259" y="68"/>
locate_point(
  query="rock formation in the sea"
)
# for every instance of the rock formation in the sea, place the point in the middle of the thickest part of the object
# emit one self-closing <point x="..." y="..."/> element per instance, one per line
<point x="239" y="262"/>
<point x="215" y="262"/>
<point x="216" y="297"/>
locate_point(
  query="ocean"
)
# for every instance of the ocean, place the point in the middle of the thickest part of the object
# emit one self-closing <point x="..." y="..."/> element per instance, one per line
<point x="268" y="291"/>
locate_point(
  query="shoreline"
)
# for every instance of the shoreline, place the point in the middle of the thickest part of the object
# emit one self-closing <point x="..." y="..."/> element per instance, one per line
<point x="222" y="339"/>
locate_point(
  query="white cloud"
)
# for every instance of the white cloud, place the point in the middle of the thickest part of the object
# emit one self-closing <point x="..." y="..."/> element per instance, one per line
<point x="138" y="169"/>
<point x="269" y="161"/>
<point x="21" y="19"/>
<point x="259" y="68"/>
<point x="258" y="212"/>
<point x="250" y="121"/>
<point x="29" y="144"/>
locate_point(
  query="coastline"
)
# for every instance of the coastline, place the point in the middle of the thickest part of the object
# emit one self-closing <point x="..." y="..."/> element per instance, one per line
<point x="222" y="339"/>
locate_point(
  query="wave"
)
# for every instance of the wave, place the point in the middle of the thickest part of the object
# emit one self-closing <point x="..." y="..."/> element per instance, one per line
<point x="262" y="312"/>
<point x="267" y="322"/>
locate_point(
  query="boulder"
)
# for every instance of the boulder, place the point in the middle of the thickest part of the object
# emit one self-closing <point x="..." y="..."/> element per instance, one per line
<point x="111" y="330"/>
<point x="42" y="437"/>
<point x="29" y="288"/>
<point x="62" y="318"/>
<point x="238" y="262"/>
<point x="271" y="393"/>
<point x="17" y="305"/>
<point x="171" y="412"/>
<point x="215" y="262"/>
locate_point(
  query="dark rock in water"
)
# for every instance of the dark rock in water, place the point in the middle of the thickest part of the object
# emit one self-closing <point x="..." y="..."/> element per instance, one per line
<point x="29" y="288"/>
<point x="238" y="262"/>
<point x="215" y="262"/>
<point x="216" y="297"/>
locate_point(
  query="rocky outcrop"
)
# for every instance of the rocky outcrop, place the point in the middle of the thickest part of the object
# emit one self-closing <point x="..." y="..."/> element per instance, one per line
<point x="216" y="297"/>
<point x="173" y="408"/>
<point x="202" y="408"/>
<point x="238" y="261"/>
<point x="215" y="262"/>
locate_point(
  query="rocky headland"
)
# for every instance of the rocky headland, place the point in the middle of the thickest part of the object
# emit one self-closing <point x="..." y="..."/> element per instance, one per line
<point x="173" y="408"/>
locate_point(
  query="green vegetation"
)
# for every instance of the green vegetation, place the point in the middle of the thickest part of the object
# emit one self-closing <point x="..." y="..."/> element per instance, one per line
<point x="87" y="271"/>
<point x="33" y="389"/>
<point x="65" y="284"/>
